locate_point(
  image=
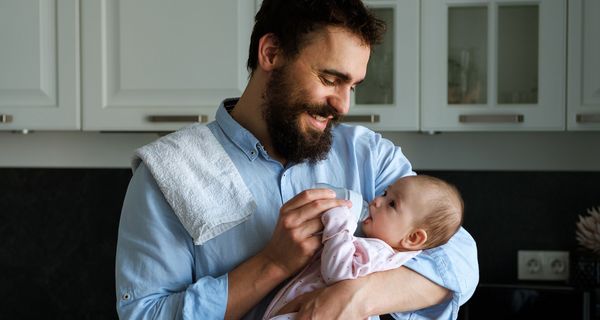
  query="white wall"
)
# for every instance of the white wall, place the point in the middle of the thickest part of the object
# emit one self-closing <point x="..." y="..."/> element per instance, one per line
<point x="555" y="151"/>
<point x="70" y="149"/>
<point x="565" y="151"/>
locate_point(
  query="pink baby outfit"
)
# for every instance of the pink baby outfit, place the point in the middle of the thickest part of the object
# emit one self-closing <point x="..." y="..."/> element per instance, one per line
<point x="343" y="257"/>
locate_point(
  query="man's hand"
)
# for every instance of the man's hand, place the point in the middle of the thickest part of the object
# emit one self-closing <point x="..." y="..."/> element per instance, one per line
<point x="296" y="236"/>
<point x="333" y="302"/>
<point x="294" y="242"/>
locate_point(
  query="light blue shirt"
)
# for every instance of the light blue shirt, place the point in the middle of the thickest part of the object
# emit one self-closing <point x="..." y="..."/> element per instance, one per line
<point x="161" y="274"/>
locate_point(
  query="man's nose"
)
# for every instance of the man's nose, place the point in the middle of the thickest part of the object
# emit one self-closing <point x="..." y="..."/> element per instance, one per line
<point x="340" y="101"/>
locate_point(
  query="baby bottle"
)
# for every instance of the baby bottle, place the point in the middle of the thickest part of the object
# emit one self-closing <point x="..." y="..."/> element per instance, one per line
<point x="360" y="208"/>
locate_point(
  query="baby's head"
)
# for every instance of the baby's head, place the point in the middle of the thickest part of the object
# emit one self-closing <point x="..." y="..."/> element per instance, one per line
<point x="415" y="213"/>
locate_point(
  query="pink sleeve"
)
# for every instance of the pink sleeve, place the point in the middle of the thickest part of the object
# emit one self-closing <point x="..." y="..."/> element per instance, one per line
<point x="338" y="250"/>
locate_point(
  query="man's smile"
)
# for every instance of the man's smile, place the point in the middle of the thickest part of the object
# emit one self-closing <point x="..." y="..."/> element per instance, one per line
<point x="318" y="122"/>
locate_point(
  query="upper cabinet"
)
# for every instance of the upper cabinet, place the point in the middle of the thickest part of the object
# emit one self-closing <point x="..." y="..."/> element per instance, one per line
<point x="493" y="65"/>
<point x="388" y="98"/>
<point x="584" y="65"/>
<point x="153" y="65"/>
<point x="444" y="65"/>
<point x="39" y="51"/>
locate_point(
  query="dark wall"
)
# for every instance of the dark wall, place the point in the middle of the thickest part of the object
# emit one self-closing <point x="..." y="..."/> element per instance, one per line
<point x="58" y="230"/>
<point x="510" y="211"/>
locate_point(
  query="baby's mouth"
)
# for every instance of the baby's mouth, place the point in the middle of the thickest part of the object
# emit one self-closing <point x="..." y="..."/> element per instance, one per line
<point x="368" y="219"/>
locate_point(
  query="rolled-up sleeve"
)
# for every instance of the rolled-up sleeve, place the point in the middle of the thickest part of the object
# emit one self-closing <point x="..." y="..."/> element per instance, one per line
<point x="155" y="261"/>
<point x="453" y="266"/>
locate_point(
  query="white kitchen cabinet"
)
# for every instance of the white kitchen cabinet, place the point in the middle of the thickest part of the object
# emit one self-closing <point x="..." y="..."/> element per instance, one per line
<point x="153" y="65"/>
<point x="39" y="46"/>
<point x="496" y="65"/>
<point x="583" y="103"/>
<point x="388" y="98"/>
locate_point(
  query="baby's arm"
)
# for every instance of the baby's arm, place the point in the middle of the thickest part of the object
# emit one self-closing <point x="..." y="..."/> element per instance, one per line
<point x="338" y="245"/>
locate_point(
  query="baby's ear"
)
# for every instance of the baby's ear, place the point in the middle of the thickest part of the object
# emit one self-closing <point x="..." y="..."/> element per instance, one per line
<point x="415" y="239"/>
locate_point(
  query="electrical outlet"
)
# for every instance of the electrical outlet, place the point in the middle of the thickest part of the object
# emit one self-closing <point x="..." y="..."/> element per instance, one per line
<point x="543" y="265"/>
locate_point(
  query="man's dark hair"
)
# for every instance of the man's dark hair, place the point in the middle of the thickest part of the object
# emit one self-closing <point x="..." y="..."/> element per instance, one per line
<point x="291" y="21"/>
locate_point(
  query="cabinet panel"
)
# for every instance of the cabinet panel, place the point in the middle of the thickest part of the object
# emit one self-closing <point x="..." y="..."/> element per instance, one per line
<point x="495" y="65"/>
<point x="584" y="65"/>
<point x="388" y="98"/>
<point x="149" y="65"/>
<point x="38" y="65"/>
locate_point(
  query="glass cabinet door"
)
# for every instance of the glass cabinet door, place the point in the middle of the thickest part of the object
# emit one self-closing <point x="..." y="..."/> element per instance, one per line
<point x="388" y="97"/>
<point x="518" y="53"/>
<point x="378" y="86"/>
<point x="467" y="55"/>
<point x="493" y="65"/>
<point x="583" y="101"/>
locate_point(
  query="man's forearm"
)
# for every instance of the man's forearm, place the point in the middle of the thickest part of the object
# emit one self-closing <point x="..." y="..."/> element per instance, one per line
<point x="249" y="283"/>
<point x="397" y="290"/>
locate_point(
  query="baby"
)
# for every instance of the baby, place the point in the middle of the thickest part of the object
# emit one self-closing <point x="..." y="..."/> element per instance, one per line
<point x="413" y="214"/>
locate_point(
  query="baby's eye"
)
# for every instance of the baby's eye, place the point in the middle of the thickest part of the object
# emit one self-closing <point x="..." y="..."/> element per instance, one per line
<point x="392" y="204"/>
<point x="384" y="193"/>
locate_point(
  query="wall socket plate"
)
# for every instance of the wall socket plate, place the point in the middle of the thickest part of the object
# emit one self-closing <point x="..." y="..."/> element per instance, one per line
<point x="543" y="265"/>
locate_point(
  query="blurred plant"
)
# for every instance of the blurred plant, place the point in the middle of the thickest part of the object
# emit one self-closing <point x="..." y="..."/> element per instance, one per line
<point x="588" y="230"/>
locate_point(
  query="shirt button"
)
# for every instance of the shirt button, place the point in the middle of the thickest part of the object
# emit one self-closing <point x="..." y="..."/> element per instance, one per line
<point x="126" y="296"/>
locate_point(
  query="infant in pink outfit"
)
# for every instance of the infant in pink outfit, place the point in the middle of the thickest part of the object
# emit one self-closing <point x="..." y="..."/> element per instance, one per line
<point x="413" y="214"/>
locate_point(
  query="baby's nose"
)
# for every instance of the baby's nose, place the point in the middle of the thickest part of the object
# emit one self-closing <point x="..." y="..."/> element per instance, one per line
<point x="376" y="202"/>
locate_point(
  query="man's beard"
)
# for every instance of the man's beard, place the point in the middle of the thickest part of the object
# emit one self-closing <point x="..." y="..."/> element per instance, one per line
<point x="282" y="110"/>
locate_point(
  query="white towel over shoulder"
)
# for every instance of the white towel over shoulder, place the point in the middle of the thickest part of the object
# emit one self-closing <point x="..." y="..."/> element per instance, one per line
<point x="198" y="180"/>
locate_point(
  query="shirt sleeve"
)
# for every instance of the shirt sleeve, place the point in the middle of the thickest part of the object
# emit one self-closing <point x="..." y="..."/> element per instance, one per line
<point x="453" y="266"/>
<point x="155" y="261"/>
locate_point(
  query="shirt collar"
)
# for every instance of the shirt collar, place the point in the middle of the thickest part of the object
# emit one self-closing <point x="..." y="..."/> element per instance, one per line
<point x="241" y="137"/>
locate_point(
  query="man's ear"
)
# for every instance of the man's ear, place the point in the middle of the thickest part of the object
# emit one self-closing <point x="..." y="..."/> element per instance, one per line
<point x="268" y="52"/>
<point x="415" y="239"/>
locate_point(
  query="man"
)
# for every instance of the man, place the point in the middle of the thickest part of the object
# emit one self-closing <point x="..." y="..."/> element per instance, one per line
<point x="306" y="56"/>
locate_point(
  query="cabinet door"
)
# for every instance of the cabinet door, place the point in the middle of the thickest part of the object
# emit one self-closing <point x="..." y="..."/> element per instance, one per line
<point x="153" y="65"/>
<point x="38" y="65"/>
<point x="388" y="98"/>
<point x="584" y="65"/>
<point x="493" y="65"/>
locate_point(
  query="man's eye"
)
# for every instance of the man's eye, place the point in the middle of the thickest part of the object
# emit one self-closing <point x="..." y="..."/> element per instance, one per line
<point x="392" y="204"/>
<point x="327" y="82"/>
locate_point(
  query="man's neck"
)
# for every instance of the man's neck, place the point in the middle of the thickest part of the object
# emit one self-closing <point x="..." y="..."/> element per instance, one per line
<point x="248" y="112"/>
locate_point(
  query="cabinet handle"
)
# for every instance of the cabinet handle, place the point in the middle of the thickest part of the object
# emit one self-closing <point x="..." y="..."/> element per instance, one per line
<point x="202" y="118"/>
<point x="588" y="118"/>
<point x="491" y="118"/>
<point x="370" y="118"/>
<point x="6" y="118"/>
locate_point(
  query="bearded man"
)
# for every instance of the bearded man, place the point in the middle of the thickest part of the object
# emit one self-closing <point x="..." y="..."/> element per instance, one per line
<point x="279" y="139"/>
